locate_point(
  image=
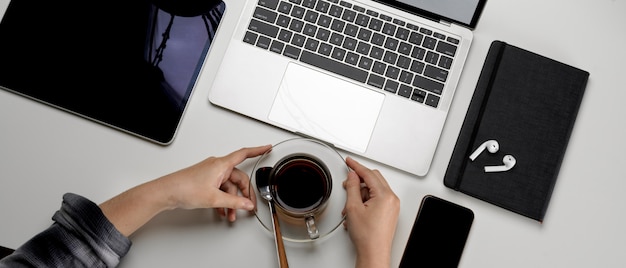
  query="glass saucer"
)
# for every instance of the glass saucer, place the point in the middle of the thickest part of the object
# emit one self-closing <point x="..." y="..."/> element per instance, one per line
<point x="330" y="218"/>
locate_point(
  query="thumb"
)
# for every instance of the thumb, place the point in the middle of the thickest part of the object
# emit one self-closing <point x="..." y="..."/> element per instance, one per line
<point x="353" y="190"/>
<point x="225" y="200"/>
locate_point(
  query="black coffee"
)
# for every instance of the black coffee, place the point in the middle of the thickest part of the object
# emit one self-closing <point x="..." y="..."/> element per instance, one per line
<point x="301" y="184"/>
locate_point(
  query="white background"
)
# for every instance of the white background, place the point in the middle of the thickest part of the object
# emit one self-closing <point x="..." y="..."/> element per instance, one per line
<point x="45" y="152"/>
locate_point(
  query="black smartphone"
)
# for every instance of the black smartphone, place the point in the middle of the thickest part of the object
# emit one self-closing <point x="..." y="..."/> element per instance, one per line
<point x="438" y="234"/>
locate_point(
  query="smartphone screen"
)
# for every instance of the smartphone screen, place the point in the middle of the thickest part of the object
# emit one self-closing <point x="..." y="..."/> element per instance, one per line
<point x="438" y="234"/>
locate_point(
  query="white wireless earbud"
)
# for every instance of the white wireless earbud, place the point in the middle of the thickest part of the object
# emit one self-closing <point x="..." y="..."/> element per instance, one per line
<point x="508" y="161"/>
<point x="491" y="145"/>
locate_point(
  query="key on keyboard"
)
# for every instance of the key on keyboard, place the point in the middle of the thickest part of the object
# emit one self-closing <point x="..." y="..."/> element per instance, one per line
<point x="364" y="45"/>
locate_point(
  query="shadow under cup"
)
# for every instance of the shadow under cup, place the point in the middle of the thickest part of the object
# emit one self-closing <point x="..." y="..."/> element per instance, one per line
<point x="301" y="186"/>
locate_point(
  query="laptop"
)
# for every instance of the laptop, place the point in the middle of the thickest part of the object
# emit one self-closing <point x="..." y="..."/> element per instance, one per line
<point x="130" y="65"/>
<point x="374" y="78"/>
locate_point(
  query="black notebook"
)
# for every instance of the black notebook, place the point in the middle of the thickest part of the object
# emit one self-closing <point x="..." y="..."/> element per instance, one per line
<point x="528" y="103"/>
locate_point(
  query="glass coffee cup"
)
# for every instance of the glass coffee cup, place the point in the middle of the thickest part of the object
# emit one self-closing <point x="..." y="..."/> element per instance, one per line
<point x="305" y="178"/>
<point x="300" y="185"/>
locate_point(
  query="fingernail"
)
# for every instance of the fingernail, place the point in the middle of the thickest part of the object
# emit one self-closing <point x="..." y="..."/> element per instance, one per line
<point x="248" y="205"/>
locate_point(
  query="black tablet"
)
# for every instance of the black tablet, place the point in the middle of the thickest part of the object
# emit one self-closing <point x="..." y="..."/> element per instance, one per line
<point x="131" y="65"/>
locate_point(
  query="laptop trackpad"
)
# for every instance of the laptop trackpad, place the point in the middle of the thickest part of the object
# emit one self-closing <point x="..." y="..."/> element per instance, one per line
<point x="327" y="108"/>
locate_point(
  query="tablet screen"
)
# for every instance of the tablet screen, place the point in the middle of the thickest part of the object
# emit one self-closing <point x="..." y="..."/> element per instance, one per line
<point x="131" y="65"/>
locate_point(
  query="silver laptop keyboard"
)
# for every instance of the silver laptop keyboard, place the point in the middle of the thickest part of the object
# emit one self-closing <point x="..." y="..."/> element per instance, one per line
<point x="358" y="43"/>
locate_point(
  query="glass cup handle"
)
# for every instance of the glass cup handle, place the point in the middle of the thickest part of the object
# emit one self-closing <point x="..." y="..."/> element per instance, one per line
<point x="311" y="227"/>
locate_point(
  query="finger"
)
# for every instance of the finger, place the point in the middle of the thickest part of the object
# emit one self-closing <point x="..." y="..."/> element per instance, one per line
<point x="371" y="178"/>
<point x="229" y="187"/>
<point x="365" y="194"/>
<point x="345" y="219"/>
<point x="221" y="212"/>
<point x="232" y="215"/>
<point x="353" y="190"/>
<point x="236" y="157"/>
<point x="227" y="213"/>
<point x="241" y="180"/>
<point x="230" y="201"/>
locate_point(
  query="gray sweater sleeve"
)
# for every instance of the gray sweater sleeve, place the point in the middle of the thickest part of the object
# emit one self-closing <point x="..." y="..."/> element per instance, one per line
<point x="81" y="236"/>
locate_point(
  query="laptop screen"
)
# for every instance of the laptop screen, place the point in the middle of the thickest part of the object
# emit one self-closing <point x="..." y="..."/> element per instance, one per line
<point x="464" y="12"/>
<point x="130" y="65"/>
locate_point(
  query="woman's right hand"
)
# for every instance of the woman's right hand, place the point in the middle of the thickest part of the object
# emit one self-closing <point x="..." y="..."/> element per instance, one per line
<point x="371" y="213"/>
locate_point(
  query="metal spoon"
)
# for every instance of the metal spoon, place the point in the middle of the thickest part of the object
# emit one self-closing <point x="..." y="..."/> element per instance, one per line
<point x="262" y="183"/>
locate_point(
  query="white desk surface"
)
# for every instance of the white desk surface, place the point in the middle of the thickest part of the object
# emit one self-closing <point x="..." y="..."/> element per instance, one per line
<point x="45" y="152"/>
